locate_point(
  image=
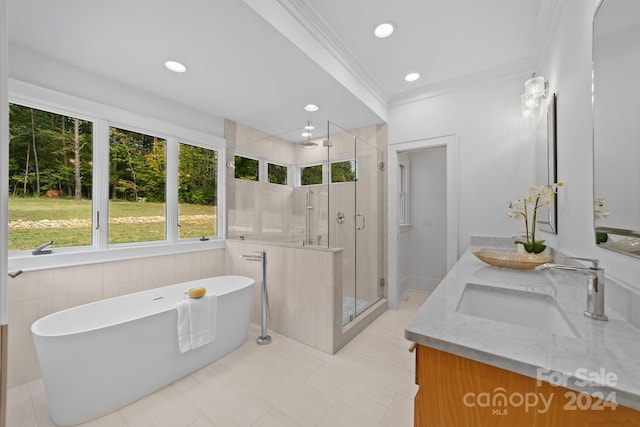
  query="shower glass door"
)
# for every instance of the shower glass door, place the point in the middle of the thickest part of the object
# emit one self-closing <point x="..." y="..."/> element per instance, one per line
<point x="368" y="224"/>
<point x="355" y="206"/>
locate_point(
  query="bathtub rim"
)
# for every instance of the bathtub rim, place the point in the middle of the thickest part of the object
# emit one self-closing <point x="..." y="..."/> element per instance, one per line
<point x="243" y="282"/>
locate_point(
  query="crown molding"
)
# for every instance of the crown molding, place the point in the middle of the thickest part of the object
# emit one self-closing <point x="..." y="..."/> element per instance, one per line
<point x="543" y="29"/>
<point x="307" y="16"/>
<point x="489" y="76"/>
<point x="302" y="25"/>
<point x="346" y="67"/>
<point x="540" y="40"/>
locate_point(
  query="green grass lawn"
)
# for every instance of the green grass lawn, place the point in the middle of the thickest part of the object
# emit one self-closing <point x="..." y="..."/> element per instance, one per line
<point x="38" y="209"/>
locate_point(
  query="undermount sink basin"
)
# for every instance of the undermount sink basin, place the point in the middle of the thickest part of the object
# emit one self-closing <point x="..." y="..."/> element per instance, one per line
<point x="528" y="309"/>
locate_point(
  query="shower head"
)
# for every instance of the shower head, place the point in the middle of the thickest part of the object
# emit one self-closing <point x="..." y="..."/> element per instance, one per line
<point x="309" y="144"/>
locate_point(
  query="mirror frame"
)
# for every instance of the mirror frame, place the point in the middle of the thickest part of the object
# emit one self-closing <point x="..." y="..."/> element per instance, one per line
<point x="549" y="222"/>
<point x="629" y="242"/>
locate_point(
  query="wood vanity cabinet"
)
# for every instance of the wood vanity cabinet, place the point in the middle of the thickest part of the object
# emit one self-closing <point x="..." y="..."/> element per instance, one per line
<point x="458" y="392"/>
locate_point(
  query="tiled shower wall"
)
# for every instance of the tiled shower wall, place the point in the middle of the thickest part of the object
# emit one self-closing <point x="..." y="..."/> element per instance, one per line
<point x="35" y="294"/>
<point x="268" y="212"/>
<point x="305" y="290"/>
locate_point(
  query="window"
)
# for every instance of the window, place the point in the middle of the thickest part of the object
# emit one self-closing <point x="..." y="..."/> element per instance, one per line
<point x="50" y="179"/>
<point x="277" y="174"/>
<point x="197" y="191"/>
<point x="310" y="175"/>
<point x="403" y="208"/>
<point x="79" y="180"/>
<point x="137" y="187"/>
<point x="346" y="171"/>
<point x="247" y="168"/>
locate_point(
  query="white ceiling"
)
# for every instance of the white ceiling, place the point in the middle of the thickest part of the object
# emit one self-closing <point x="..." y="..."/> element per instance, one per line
<point x="259" y="62"/>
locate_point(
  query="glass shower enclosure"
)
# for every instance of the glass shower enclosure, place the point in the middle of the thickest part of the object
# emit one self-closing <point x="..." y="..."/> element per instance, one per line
<point x="325" y="191"/>
<point x="355" y="216"/>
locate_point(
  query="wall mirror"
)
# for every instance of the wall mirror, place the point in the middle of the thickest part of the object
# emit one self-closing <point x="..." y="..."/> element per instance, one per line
<point x="546" y="164"/>
<point x="616" y="125"/>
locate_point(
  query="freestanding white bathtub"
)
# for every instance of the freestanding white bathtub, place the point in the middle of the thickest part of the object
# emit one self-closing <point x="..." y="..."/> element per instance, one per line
<point x="98" y="357"/>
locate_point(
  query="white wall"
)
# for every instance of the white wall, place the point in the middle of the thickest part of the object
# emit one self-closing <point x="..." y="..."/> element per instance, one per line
<point x="35" y="294"/>
<point x="428" y="213"/>
<point x="567" y="65"/>
<point x="421" y="244"/>
<point x="28" y="68"/>
<point x="494" y="149"/>
<point x="493" y="146"/>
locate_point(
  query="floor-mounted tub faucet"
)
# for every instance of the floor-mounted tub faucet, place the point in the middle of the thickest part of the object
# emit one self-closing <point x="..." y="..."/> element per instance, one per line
<point x="264" y="337"/>
<point x="595" y="285"/>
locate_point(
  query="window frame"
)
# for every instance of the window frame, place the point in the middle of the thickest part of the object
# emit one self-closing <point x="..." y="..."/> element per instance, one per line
<point x="103" y="117"/>
<point x="219" y="194"/>
<point x="168" y="229"/>
<point x="404" y="217"/>
<point x="300" y="167"/>
<point x="56" y="109"/>
<point x="261" y="166"/>
<point x="352" y="160"/>
<point x="284" y="165"/>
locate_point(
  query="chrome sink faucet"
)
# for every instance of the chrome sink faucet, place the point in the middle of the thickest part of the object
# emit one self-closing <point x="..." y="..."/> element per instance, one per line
<point x="595" y="285"/>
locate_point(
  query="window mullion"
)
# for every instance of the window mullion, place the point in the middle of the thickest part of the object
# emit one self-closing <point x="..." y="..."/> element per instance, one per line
<point x="221" y="198"/>
<point x="171" y="203"/>
<point x="100" y="205"/>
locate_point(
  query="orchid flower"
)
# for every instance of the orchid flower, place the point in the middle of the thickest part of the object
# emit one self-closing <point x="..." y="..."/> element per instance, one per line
<point x="539" y="195"/>
<point x="598" y="208"/>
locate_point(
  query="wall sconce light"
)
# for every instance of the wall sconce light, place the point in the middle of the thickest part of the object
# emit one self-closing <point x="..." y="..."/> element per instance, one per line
<point x="535" y="88"/>
<point x="529" y="102"/>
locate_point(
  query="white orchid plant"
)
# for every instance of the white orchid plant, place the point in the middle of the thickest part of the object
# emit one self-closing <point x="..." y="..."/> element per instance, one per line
<point x="527" y="208"/>
<point x="599" y="210"/>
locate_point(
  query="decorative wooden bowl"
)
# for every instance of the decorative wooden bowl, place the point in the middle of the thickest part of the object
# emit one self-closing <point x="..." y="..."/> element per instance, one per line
<point x="512" y="259"/>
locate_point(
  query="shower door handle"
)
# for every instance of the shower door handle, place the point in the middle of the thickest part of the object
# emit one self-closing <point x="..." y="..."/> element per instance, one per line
<point x="359" y="227"/>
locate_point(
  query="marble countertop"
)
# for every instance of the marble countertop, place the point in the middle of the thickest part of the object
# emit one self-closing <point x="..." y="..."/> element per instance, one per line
<point x="604" y="357"/>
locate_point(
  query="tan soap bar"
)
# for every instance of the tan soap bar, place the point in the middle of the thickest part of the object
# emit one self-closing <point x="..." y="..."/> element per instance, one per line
<point x="196" y="292"/>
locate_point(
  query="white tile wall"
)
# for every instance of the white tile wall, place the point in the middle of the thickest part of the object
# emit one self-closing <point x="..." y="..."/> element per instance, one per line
<point x="35" y="294"/>
<point x="74" y="286"/>
<point x="301" y="286"/>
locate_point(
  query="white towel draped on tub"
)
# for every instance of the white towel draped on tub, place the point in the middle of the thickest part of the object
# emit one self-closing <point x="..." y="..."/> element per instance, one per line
<point x="196" y="322"/>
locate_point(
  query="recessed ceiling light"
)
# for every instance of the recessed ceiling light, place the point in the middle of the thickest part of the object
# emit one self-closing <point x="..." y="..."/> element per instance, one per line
<point x="306" y="134"/>
<point x="175" y="66"/>
<point x="311" y="107"/>
<point x="384" y="30"/>
<point x="412" y="77"/>
<point x="309" y="126"/>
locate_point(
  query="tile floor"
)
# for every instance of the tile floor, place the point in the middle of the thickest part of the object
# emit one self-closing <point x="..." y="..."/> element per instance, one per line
<point x="370" y="382"/>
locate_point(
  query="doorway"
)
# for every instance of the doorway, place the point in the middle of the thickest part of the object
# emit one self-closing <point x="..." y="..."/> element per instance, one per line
<point x="422" y="214"/>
